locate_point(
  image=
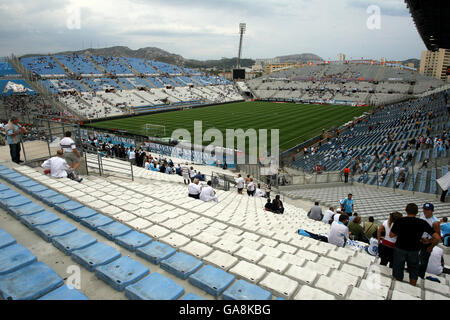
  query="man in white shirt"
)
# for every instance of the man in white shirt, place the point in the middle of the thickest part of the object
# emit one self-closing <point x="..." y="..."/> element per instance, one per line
<point x="251" y="188"/>
<point x="427" y="246"/>
<point x="436" y="262"/>
<point x="339" y="232"/>
<point x="185" y="173"/>
<point x="240" y="183"/>
<point x="208" y="194"/>
<point x="328" y="215"/>
<point x="194" y="189"/>
<point x="132" y="156"/>
<point x="71" y="153"/>
<point x="259" y="193"/>
<point x="59" y="167"/>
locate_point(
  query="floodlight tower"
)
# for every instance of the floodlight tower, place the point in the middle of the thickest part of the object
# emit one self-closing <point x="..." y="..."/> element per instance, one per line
<point x="242" y="29"/>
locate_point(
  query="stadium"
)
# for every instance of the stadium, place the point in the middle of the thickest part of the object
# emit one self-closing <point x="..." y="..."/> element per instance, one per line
<point x="122" y="220"/>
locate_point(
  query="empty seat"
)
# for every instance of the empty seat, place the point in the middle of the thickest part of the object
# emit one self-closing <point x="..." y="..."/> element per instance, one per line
<point x="113" y="230"/>
<point x="65" y="293"/>
<point x="40" y="218"/>
<point x="155" y="252"/>
<point x="181" y="265"/>
<point x="156" y="287"/>
<point x="6" y="239"/>
<point x="74" y="241"/>
<point x="81" y="213"/>
<point x="26" y="209"/>
<point x="15" y="257"/>
<point x="54" y="229"/>
<point x="133" y="240"/>
<point x="243" y="290"/>
<point x="96" y="255"/>
<point x="29" y="283"/>
<point x="212" y="280"/>
<point x="96" y="221"/>
<point x="122" y="272"/>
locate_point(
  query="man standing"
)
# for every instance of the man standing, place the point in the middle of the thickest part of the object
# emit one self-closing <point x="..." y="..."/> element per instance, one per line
<point x="14" y="133"/>
<point x="409" y="231"/>
<point x="185" y="173"/>
<point x="347" y="205"/>
<point x="346" y="173"/>
<point x="71" y="153"/>
<point x="425" y="250"/>
<point x="240" y="183"/>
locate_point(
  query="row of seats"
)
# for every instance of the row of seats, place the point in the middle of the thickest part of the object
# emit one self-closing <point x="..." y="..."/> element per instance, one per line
<point x="122" y="273"/>
<point x="251" y="255"/>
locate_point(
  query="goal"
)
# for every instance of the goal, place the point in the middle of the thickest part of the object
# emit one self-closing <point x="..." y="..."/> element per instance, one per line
<point x="155" y="130"/>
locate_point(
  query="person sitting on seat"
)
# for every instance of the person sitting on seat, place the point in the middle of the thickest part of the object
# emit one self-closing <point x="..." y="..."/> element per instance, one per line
<point x="58" y="167"/>
<point x="277" y="205"/>
<point x="356" y="230"/>
<point x="328" y="216"/>
<point x="268" y="206"/>
<point x="370" y="227"/>
<point x="339" y="233"/>
<point x="316" y="212"/>
<point x="208" y="194"/>
<point x="436" y="264"/>
<point x="194" y="189"/>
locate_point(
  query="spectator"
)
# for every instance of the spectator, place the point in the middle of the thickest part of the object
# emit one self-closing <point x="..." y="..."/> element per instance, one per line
<point x="240" y="183"/>
<point x="14" y="133"/>
<point x="346" y="173"/>
<point x="370" y="227"/>
<point x="357" y="231"/>
<point x="339" y="233"/>
<point x="185" y="173"/>
<point x="328" y="216"/>
<point x="347" y="205"/>
<point x="258" y="192"/>
<point x="194" y="189"/>
<point x="71" y="154"/>
<point x="425" y="250"/>
<point x="350" y="219"/>
<point x="386" y="244"/>
<point x="200" y="176"/>
<point x="316" y="212"/>
<point x="58" y="167"/>
<point x="250" y="187"/>
<point x="277" y="205"/>
<point x="192" y="174"/>
<point x="268" y="206"/>
<point x="436" y="264"/>
<point x="445" y="231"/>
<point x="409" y="231"/>
<point x="208" y="194"/>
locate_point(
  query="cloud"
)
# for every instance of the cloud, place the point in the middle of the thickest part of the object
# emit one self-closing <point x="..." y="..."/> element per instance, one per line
<point x="208" y="29"/>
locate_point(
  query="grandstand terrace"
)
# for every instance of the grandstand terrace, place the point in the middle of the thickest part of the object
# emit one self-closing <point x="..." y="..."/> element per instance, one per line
<point x="96" y="86"/>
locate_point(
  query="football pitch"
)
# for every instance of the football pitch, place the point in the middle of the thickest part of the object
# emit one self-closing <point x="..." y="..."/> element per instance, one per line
<point x="296" y="122"/>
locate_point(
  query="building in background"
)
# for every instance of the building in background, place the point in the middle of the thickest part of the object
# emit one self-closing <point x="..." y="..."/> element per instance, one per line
<point x="341" y="57"/>
<point x="435" y="64"/>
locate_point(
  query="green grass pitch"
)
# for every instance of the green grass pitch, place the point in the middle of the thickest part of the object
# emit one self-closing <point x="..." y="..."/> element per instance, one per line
<point x="296" y="122"/>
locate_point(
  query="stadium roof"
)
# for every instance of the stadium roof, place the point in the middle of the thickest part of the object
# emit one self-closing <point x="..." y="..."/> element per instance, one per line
<point x="431" y="19"/>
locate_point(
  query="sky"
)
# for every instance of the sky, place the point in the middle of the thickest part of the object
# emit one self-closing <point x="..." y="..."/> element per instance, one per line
<point x="209" y="29"/>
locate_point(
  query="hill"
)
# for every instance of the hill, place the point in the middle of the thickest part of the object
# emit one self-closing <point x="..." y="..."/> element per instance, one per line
<point x="304" y="57"/>
<point x="152" y="53"/>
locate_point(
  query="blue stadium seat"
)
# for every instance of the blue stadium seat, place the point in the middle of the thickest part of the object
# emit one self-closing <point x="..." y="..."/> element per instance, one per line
<point x="181" y="265"/>
<point x="243" y="290"/>
<point x="154" y="287"/>
<point x="81" y="213"/>
<point x="155" y="252"/>
<point x="65" y="293"/>
<point x="133" y="240"/>
<point x="68" y="206"/>
<point x="29" y="283"/>
<point x="26" y="209"/>
<point x="55" y="229"/>
<point x="74" y="241"/>
<point x="212" y="280"/>
<point x="191" y="296"/>
<point x="15" y="257"/>
<point x="14" y="202"/>
<point x="96" y="255"/>
<point x="38" y="219"/>
<point x="6" y="239"/>
<point x="113" y="230"/>
<point x="96" y="221"/>
<point x="122" y="272"/>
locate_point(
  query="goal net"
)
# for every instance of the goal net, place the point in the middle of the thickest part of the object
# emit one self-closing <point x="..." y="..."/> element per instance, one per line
<point x="155" y="130"/>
